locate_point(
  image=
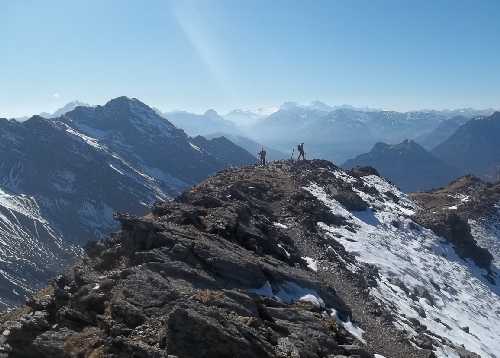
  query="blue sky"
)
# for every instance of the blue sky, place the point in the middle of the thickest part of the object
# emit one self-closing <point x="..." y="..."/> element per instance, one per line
<point x="227" y="54"/>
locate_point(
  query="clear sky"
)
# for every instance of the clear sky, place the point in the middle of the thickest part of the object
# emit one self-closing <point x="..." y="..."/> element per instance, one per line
<point x="225" y="54"/>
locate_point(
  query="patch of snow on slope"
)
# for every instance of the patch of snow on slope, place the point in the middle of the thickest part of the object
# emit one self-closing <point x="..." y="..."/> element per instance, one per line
<point x="281" y="226"/>
<point x="116" y="169"/>
<point x="419" y="271"/>
<point x="195" y="147"/>
<point x="349" y="326"/>
<point x="284" y="250"/>
<point x="311" y="263"/>
<point x="290" y="292"/>
<point x="89" y="140"/>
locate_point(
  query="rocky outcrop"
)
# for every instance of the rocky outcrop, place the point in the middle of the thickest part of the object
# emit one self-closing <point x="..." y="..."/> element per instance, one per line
<point x="211" y="274"/>
<point x="225" y="270"/>
<point x="454" y="228"/>
<point x="447" y="211"/>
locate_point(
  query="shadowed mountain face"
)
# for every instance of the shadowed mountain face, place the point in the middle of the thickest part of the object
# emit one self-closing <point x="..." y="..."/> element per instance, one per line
<point x="288" y="260"/>
<point x="408" y="165"/>
<point x="63" y="178"/>
<point x="474" y="147"/>
<point x="442" y="132"/>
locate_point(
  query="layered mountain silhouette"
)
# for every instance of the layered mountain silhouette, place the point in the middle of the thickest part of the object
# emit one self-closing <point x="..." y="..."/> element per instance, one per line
<point x="341" y="133"/>
<point x="408" y="165"/>
<point x="441" y="133"/>
<point x="201" y="124"/>
<point x="63" y="178"/>
<point x="474" y="147"/>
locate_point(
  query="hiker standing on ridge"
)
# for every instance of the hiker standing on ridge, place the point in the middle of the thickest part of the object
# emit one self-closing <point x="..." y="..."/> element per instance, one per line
<point x="300" y="148"/>
<point x="262" y="156"/>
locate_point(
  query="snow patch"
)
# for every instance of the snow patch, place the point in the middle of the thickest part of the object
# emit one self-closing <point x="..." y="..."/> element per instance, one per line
<point x="281" y="226"/>
<point x="349" y="326"/>
<point x="289" y="292"/>
<point x="285" y="250"/>
<point x="421" y="276"/>
<point x="195" y="147"/>
<point x="89" y="140"/>
<point x="311" y="263"/>
<point x="116" y="169"/>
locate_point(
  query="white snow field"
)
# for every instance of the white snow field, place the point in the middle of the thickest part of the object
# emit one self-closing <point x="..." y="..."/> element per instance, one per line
<point x="421" y="277"/>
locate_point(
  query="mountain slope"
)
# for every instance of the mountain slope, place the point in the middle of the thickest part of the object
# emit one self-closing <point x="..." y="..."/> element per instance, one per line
<point x="288" y="260"/>
<point x="475" y="202"/>
<point x="441" y="133"/>
<point x="474" y="146"/>
<point x="31" y="252"/>
<point x="78" y="169"/>
<point x="408" y="165"/>
<point x="132" y="130"/>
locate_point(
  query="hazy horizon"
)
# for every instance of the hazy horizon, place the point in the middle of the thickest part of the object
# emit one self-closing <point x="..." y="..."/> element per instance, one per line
<point x="271" y="108"/>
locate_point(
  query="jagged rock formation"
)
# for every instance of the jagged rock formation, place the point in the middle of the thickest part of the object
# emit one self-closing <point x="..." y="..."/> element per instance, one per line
<point x="69" y="174"/>
<point x="278" y="261"/>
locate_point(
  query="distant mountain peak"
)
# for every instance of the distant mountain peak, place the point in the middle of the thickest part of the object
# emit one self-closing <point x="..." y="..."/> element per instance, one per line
<point x="212" y="113"/>
<point x="125" y="101"/>
<point x="68" y="107"/>
<point x="321" y="106"/>
<point x="289" y="105"/>
<point x="407" y="164"/>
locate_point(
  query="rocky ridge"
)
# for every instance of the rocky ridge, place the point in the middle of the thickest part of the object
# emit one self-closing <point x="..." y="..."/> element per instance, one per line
<point x="253" y="262"/>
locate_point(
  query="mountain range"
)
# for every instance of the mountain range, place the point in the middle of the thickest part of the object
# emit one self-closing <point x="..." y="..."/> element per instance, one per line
<point x="337" y="133"/>
<point x="468" y="147"/>
<point x="340" y="134"/>
<point x="62" y="179"/>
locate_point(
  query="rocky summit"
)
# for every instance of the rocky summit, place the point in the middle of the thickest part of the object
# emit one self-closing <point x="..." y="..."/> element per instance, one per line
<point x="289" y="260"/>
